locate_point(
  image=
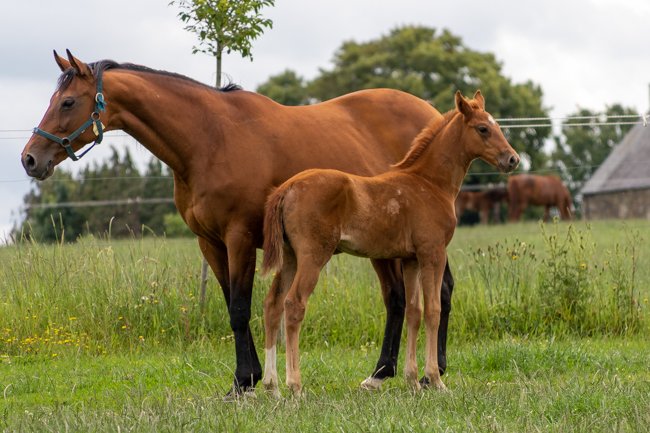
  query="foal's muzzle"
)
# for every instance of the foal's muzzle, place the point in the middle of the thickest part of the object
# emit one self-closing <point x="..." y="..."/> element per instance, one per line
<point x="508" y="162"/>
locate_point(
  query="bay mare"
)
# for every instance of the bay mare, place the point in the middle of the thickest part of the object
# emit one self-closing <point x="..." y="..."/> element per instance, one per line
<point x="538" y="190"/>
<point x="406" y="213"/>
<point x="227" y="150"/>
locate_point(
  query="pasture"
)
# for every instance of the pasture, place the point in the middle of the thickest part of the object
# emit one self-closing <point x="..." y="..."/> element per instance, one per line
<point x="548" y="333"/>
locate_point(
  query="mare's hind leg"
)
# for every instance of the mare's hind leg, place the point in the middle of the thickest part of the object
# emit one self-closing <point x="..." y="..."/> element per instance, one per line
<point x="273" y="310"/>
<point x="392" y="289"/>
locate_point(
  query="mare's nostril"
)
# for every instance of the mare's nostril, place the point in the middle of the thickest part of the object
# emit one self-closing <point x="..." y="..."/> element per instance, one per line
<point x="30" y="162"/>
<point x="513" y="161"/>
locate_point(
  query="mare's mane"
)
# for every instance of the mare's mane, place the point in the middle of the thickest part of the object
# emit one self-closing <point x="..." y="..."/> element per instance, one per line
<point x="104" y="65"/>
<point x="422" y="141"/>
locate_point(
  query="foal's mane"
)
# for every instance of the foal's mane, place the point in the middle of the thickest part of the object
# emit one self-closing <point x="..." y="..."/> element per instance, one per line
<point x="422" y="141"/>
<point x="104" y="65"/>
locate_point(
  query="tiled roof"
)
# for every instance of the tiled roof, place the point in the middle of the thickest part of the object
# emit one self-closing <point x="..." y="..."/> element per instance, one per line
<point x="627" y="166"/>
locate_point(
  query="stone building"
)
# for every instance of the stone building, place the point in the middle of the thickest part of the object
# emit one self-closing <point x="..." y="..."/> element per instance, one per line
<point x="620" y="188"/>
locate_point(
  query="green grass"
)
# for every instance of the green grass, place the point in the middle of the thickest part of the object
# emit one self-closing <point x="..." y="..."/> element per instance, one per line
<point x="548" y="333"/>
<point x="506" y="385"/>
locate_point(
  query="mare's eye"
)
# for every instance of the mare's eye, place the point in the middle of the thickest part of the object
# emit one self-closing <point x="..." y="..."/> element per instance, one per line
<point x="482" y="129"/>
<point x="68" y="103"/>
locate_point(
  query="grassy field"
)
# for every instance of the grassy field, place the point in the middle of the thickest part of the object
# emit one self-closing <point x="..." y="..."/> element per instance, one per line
<point x="548" y="333"/>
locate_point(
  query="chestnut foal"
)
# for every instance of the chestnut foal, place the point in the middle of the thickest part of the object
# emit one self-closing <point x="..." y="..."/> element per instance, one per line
<point x="406" y="213"/>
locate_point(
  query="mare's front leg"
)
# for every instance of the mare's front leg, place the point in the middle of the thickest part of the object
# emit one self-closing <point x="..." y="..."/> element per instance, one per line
<point x="241" y="269"/>
<point x="273" y="310"/>
<point x="392" y="289"/>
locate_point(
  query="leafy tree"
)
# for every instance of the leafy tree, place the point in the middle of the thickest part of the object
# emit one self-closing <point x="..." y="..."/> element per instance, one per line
<point x="66" y="207"/>
<point x="224" y="25"/>
<point x="433" y="64"/>
<point x="43" y="220"/>
<point x="287" y="88"/>
<point x="115" y="179"/>
<point x="581" y="149"/>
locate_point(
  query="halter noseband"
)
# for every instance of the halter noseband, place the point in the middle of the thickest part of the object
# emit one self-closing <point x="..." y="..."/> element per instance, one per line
<point x="100" y="105"/>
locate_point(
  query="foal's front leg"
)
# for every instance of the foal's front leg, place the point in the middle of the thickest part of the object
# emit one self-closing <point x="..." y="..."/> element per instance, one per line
<point x="431" y="272"/>
<point x="413" y="318"/>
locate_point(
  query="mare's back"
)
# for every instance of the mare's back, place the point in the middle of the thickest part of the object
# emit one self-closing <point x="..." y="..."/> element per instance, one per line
<point x="361" y="132"/>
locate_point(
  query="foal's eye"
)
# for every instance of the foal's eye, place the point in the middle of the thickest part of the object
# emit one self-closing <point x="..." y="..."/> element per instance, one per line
<point x="482" y="129"/>
<point x="67" y="103"/>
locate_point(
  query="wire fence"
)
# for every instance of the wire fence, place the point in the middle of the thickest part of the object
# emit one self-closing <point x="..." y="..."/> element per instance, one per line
<point x="505" y="123"/>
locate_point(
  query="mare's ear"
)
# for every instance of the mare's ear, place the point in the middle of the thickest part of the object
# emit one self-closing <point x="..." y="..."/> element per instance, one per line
<point x="478" y="97"/>
<point x="83" y="70"/>
<point x="63" y="63"/>
<point x="463" y="105"/>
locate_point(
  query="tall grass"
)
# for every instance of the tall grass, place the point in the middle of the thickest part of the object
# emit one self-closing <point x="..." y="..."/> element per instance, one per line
<point x="99" y="295"/>
<point x="566" y="279"/>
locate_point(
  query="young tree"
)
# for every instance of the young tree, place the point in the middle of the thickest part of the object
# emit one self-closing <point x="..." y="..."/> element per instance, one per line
<point x="224" y="25"/>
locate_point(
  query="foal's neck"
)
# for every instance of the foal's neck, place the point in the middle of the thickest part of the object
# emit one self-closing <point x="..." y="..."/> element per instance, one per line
<point x="445" y="161"/>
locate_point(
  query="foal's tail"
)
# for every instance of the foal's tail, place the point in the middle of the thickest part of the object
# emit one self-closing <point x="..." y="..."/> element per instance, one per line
<point x="273" y="231"/>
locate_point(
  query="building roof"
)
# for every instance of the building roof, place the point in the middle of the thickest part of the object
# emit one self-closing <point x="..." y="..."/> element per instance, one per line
<point x="627" y="166"/>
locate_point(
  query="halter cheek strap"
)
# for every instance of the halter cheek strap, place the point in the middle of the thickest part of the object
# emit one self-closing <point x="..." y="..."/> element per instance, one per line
<point x="100" y="105"/>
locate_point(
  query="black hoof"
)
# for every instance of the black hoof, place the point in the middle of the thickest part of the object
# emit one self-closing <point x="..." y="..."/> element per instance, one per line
<point x="237" y="392"/>
<point x="384" y="372"/>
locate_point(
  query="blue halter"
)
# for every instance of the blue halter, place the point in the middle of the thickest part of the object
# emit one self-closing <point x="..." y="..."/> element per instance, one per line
<point x="100" y="105"/>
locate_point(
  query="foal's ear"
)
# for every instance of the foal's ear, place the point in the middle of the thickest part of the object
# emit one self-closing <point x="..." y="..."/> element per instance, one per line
<point x="478" y="97"/>
<point x="82" y="69"/>
<point x="63" y="63"/>
<point x="463" y="105"/>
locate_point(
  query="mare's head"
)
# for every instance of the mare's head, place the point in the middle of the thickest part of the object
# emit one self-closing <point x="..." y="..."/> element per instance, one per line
<point x="69" y="121"/>
<point x="482" y="136"/>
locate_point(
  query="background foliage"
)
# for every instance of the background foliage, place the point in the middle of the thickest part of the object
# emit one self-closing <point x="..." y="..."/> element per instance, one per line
<point x="102" y="187"/>
<point x="424" y="61"/>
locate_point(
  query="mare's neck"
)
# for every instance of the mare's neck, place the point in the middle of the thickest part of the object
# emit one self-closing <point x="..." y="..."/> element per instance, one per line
<point x="171" y="117"/>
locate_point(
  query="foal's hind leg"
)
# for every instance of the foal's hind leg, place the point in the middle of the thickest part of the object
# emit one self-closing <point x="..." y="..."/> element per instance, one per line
<point x="295" y="305"/>
<point x="392" y="289"/>
<point x="273" y="310"/>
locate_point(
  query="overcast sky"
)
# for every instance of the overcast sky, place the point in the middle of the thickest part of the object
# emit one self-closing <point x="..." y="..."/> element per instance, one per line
<point x="583" y="53"/>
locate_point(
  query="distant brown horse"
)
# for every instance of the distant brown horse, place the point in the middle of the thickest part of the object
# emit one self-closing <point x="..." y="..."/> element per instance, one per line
<point x="406" y="213"/>
<point x="227" y="149"/>
<point x="487" y="203"/>
<point x="531" y="189"/>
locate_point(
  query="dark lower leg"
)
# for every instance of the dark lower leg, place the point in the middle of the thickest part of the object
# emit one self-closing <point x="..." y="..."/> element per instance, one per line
<point x="445" y="304"/>
<point x="393" y="293"/>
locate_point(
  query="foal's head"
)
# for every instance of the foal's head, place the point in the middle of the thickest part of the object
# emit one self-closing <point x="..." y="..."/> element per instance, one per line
<point x="485" y="139"/>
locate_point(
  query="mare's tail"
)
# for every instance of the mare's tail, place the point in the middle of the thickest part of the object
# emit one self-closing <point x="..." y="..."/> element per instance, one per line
<point x="273" y="231"/>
